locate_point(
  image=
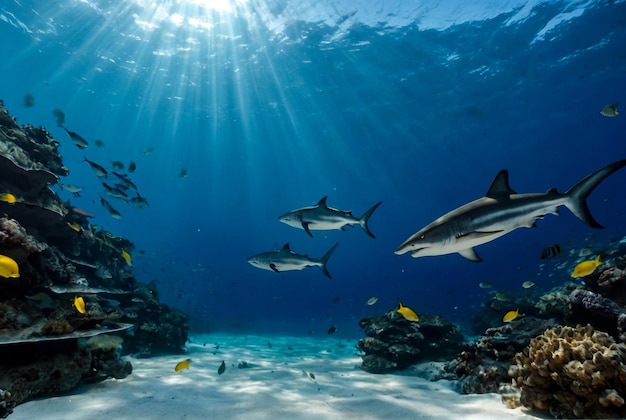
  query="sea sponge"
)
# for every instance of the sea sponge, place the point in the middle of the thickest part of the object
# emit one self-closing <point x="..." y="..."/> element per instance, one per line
<point x="572" y="373"/>
<point x="103" y="342"/>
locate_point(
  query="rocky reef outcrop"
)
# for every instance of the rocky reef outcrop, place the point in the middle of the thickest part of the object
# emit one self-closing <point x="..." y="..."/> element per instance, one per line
<point x="573" y="373"/>
<point x="395" y="343"/>
<point x="75" y="307"/>
<point x="484" y="365"/>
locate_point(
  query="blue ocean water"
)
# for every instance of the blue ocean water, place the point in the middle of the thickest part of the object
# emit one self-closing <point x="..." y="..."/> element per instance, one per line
<point x="238" y="111"/>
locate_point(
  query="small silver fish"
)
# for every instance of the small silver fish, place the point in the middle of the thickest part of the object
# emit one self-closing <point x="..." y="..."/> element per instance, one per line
<point x="80" y="142"/>
<point x="112" y="212"/>
<point x="528" y="284"/>
<point x="74" y="189"/>
<point x="139" y="201"/>
<point x="97" y="169"/>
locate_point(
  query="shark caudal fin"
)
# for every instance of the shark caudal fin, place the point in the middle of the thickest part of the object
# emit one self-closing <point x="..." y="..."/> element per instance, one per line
<point x="366" y="217"/>
<point x="577" y="195"/>
<point x="324" y="260"/>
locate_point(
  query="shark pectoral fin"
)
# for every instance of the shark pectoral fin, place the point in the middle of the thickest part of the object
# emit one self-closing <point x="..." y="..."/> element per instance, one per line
<point x="273" y="267"/>
<point x="305" y="226"/>
<point x="470" y="254"/>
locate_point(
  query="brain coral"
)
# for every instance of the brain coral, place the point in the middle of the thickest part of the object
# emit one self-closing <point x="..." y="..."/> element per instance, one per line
<point x="573" y="372"/>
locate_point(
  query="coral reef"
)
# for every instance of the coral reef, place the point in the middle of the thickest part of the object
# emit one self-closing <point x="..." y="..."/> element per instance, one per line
<point x="573" y="372"/>
<point x="47" y="345"/>
<point x="394" y="343"/>
<point x="483" y="367"/>
<point x="6" y="403"/>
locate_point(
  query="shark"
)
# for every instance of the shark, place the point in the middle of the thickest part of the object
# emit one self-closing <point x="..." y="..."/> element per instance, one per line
<point x="500" y="212"/>
<point x="285" y="259"/>
<point x="322" y="217"/>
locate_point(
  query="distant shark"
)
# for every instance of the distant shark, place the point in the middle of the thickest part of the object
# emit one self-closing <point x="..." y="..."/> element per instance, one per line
<point x="501" y="211"/>
<point x="322" y="217"/>
<point x="287" y="260"/>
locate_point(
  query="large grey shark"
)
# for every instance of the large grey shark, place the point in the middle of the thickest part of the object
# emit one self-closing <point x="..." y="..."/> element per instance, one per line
<point x="285" y="259"/>
<point x="501" y="211"/>
<point x="322" y="217"/>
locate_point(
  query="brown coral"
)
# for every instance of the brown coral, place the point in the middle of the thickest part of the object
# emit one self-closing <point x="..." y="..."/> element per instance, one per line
<point x="56" y="327"/>
<point x="573" y="373"/>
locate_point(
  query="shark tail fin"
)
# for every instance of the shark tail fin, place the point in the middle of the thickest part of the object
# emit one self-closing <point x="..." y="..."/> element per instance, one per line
<point x="366" y="217"/>
<point x="324" y="260"/>
<point x="577" y="195"/>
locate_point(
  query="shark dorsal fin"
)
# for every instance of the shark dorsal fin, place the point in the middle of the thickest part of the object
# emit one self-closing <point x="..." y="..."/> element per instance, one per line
<point x="500" y="188"/>
<point x="286" y="247"/>
<point x="322" y="202"/>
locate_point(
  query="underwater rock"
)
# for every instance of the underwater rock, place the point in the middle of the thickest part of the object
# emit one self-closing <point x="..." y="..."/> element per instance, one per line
<point x="483" y="366"/>
<point x="29" y="375"/>
<point x="599" y="311"/>
<point x="106" y="358"/>
<point x="572" y="373"/>
<point x="395" y="343"/>
<point x="6" y="403"/>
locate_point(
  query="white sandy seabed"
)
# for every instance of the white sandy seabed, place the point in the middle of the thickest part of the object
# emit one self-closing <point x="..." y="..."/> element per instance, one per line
<point x="286" y="378"/>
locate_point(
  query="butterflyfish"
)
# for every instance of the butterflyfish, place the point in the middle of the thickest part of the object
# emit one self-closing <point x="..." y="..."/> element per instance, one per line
<point x="407" y="313"/>
<point x="126" y="257"/>
<point x="610" y="111"/>
<point x="79" y="304"/>
<point x="8" y="198"/>
<point x="222" y="368"/>
<point x="511" y="316"/>
<point x="8" y="267"/>
<point x="182" y="365"/>
<point x="586" y="267"/>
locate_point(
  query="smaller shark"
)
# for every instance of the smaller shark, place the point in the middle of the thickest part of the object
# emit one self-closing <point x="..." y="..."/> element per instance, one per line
<point x="501" y="211"/>
<point x="322" y="217"/>
<point x="286" y="260"/>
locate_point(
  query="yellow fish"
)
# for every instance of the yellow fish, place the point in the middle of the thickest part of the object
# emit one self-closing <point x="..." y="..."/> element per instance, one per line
<point x="511" y="316"/>
<point x="182" y="365"/>
<point x="74" y="226"/>
<point x="126" y="257"/>
<point x="8" y="267"/>
<point x="407" y="313"/>
<point x="79" y="304"/>
<point x="8" y="198"/>
<point x="586" y="267"/>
